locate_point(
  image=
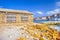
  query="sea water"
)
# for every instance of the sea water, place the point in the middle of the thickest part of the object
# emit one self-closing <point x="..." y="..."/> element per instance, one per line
<point x="43" y="21"/>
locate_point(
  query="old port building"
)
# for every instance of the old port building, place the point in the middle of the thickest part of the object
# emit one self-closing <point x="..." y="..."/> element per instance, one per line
<point x="15" y="16"/>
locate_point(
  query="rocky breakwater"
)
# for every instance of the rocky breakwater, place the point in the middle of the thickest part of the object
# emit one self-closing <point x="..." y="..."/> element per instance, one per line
<point x="27" y="32"/>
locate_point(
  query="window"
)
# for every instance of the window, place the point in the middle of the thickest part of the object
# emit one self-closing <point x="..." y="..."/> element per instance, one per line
<point x="24" y="18"/>
<point x="11" y="17"/>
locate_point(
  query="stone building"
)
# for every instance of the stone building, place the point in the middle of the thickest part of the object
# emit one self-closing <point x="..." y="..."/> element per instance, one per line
<point x="15" y="16"/>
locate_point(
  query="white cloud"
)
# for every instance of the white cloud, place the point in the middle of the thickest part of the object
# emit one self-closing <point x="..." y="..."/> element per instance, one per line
<point x="54" y="11"/>
<point x="50" y="12"/>
<point x="58" y="3"/>
<point x="39" y="12"/>
<point x="57" y="10"/>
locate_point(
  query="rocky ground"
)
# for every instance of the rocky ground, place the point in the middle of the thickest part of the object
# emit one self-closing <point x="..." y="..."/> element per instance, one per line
<point x="16" y="33"/>
<point x="22" y="33"/>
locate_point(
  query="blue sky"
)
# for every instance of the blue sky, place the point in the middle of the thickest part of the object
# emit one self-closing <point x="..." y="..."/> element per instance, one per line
<point x="37" y="7"/>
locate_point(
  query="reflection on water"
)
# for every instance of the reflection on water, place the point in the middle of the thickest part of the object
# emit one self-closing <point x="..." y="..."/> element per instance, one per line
<point x="40" y="21"/>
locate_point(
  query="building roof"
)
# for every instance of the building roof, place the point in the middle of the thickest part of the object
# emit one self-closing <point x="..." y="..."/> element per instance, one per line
<point x="17" y="11"/>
